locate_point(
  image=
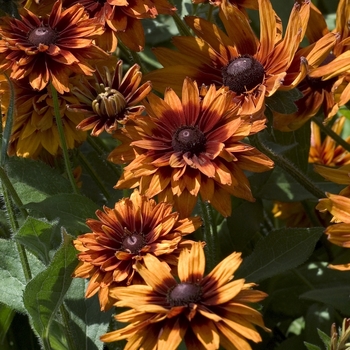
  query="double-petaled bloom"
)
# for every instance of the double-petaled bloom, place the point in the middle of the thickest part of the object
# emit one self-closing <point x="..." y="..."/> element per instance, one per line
<point x="339" y="206"/>
<point x="204" y="311"/>
<point x="34" y="131"/>
<point x="338" y="232"/>
<point x="109" y="98"/>
<point x="122" y="20"/>
<point x="123" y="235"/>
<point x="251" y="68"/>
<point x="327" y="151"/>
<point x="49" y="48"/>
<point x="323" y="76"/>
<point x="189" y="147"/>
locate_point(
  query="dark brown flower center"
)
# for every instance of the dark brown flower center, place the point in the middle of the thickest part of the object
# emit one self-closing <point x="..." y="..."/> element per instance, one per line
<point x="133" y="243"/>
<point x="189" y="139"/>
<point x="42" y="35"/>
<point x="109" y="103"/>
<point x="243" y="74"/>
<point x="184" y="294"/>
<point x="318" y="83"/>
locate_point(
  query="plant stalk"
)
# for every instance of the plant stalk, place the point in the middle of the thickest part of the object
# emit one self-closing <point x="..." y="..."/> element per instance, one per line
<point x="63" y="139"/>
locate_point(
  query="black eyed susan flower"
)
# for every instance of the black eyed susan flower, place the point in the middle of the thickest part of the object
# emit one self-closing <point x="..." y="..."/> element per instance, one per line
<point x="204" y="311"/>
<point x="51" y="47"/>
<point x="108" y="98"/>
<point x="125" y="234"/>
<point x="250" y="67"/>
<point x="191" y="147"/>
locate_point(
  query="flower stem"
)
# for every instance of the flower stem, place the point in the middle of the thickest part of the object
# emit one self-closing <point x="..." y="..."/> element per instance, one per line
<point x="328" y="131"/>
<point x="9" y="122"/>
<point x="181" y="26"/>
<point x="66" y="321"/>
<point x="102" y="151"/>
<point x="14" y="225"/>
<point x="63" y="139"/>
<point x="93" y="174"/>
<point x="132" y="56"/>
<point x="210" y="235"/>
<point x="7" y="185"/>
<point x="289" y="168"/>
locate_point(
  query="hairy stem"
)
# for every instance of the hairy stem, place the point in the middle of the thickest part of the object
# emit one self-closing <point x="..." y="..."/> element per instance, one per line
<point x="63" y="139"/>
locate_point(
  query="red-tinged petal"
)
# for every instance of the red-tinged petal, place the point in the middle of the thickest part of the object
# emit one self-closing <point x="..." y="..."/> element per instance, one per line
<point x="238" y="28"/>
<point x="223" y="272"/>
<point x="191" y="264"/>
<point x="161" y="282"/>
<point x="190" y="102"/>
<point x="172" y="335"/>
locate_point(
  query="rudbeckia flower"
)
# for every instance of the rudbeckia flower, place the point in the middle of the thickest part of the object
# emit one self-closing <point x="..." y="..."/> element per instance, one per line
<point x="327" y="152"/>
<point x="122" y="236"/>
<point x="50" y="48"/>
<point x="122" y="20"/>
<point x="326" y="62"/>
<point x="250" y="67"/>
<point x="339" y="232"/>
<point x="204" y="311"/>
<point x="108" y="98"/>
<point x="190" y="147"/>
<point x="34" y="131"/>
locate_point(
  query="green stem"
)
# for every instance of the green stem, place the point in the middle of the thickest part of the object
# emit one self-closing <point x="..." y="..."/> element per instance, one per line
<point x="181" y="26"/>
<point x="328" y="131"/>
<point x="63" y="139"/>
<point x="289" y="168"/>
<point x="210" y="236"/>
<point x="132" y="56"/>
<point x="210" y="13"/>
<point x="14" y="227"/>
<point x="9" y="122"/>
<point x="93" y="174"/>
<point x="9" y="187"/>
<point x="102" y="151"/>
<point x="302" y="278"/>
<point x="66" y="322"/>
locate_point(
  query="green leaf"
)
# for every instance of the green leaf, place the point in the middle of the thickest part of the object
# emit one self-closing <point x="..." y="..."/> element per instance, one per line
<point x="71" y="210"/>
<point x="34" y="180"/>
<point x="336" y="296"/>
<point x="283" y="187"/>
<point x="88" y="322"/>
<point x="283" y="101"/>
<point x="39" y="237"/>
<point x="12" y="277"/>
<point x="325" y="338"/>
<point x="236" y="233"/>
<point x="6" y="317"/>
<point x="280" y="251"/>
<point x="311" y="346"/>
<point x="44" y="294"/>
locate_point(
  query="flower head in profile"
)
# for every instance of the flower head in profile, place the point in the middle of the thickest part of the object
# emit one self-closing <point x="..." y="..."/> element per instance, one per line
<point x="108" y="98"/>
<point x="338" y="230"/>
<point x="327" y="151"/>
<point x="190" y="147"/>
<point x="49" y="48"/>
<point x="204" y="311"/>
<point x="34" y="131"/>
<point x="291" y="213"/>
<point x="325" y="75"/>
<point x="250" y="67"/>
<point x="122" y="20"/>
<point x="124" y="235"/>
